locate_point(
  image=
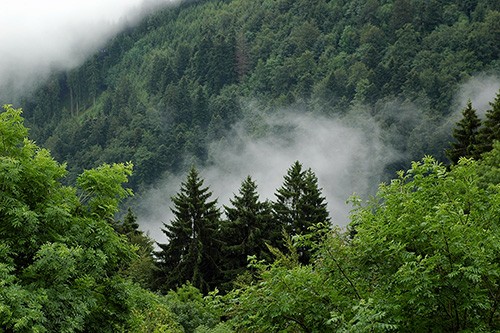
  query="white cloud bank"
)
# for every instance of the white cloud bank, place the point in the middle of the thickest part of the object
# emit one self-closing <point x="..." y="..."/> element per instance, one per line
<point x="348" y="154"/>
<point x="39" y="36"/>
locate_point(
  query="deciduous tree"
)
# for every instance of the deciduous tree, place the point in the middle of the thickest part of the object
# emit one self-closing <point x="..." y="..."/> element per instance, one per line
<point x="60" y="258"/>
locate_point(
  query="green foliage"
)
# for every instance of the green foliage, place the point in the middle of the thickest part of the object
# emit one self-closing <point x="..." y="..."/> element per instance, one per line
<point x="286" y="300"/>
<point x="102" y="188"/>
<point x="490" y="132"/>
<point x="429" y="249"/>
<point x="142" y="269"/>
<point x="299" y="205"/>
<point x="60" y="258"/>
<point x="287" y="297"/>
<point x="151" y="314"/>
<point x="424" y="258"/>
<point x="424" y="255"/>
<point x="194" y="311"/>
<point x="489" y="168"/>
<point x="246" y="231"/>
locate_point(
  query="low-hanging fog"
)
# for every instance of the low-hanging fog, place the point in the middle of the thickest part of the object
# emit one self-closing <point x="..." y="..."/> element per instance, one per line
<point x="481" y="91"/>
<point x="345" y="160"/>
<point x="349" y="153"/>
<point x="38" y="37"/>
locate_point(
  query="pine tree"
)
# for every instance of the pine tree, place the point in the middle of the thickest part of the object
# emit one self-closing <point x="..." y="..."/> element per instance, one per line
<point x="466" y="135"/>
<point x="247" y="230"/>
<point x="192" y="250"/>
<point x="300" y="205"/>
<point x="490" y="131"/>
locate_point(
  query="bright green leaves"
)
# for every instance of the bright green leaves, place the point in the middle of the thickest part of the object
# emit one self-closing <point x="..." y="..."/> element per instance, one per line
<point x="102" y="188"/>
<point x="12" y="130"/>
<point x="289" y="300"/>
<point x="192" y="310"/>
<point x="431" y="241"/>
<point x="33" y="204"/>
<point x="60" y="258"/>
<point x="423" y="256"/>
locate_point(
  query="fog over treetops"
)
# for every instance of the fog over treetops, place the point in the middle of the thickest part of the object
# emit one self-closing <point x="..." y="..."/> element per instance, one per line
<point x="350" y="154"/>
<point x="39" y="37"/>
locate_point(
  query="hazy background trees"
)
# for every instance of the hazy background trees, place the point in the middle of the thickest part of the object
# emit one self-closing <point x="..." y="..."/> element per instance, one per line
<point x="158" y="93"/>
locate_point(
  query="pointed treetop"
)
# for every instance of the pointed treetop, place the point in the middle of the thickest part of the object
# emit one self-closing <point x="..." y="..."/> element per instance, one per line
<point x="466" y="135"/>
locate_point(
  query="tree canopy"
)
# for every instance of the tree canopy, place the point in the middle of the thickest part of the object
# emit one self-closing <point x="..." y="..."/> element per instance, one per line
<point x="422" y="255"/>
<point x="425" y="258"/>
<point x="60" y="258"/>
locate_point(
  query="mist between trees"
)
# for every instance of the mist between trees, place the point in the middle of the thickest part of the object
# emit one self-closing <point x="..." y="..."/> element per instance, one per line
<point x="350" y="153"/>
<point x="422" y="255"/>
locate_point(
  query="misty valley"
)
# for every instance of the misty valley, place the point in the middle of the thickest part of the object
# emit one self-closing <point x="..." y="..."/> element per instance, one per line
<point x="251" y="166"/>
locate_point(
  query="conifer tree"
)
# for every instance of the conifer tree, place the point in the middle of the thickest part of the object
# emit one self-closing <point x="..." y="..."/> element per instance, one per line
<point x="191" y="253"/>
<point x="129" y="225"/>
<point x="490" y="131"/>
<point x="247" y="230"/>
<point x="300" y="205"/>
<point x="142" y="268"/>
<point x="466" y="135"/>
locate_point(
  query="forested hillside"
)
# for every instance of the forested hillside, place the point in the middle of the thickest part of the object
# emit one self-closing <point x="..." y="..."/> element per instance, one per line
<point x="422" y="255"/>
<point x="159" y="92"/>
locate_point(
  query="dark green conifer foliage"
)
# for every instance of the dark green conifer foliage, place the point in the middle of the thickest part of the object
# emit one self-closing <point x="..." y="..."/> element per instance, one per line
<point x="129" y="225"/>
<point x="142" y="268"/>
<point x="247" y="230"/>
<point x="300" y="205"/>
<point x="490" y="131"/>
<point x="466" y="135"/>
<point x="192" y="250"/>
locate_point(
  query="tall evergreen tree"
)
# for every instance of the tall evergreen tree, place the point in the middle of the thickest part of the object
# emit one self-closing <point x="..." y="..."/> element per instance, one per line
<point x="192" y="250"/>
<point x="300" y="205"/>
<point x="466" y="135"/>
<point x="491" y="127"/>
<point x="247" y="230"/>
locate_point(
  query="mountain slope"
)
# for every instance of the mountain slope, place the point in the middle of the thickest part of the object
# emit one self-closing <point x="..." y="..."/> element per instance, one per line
<point x="159" y="92"/>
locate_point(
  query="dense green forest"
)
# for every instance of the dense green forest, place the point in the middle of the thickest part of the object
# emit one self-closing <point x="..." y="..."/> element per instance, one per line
<point x="423" y="254"/>
<point x="158" y="93"/>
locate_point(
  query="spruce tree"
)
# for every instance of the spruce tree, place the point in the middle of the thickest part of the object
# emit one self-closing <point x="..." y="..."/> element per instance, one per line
<point x="192" y="250"/>
<point x="466" y="136"/>
<point x="247" y="230"/>
<point x="300" y="205"/>
<point x="490" y="131"/>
